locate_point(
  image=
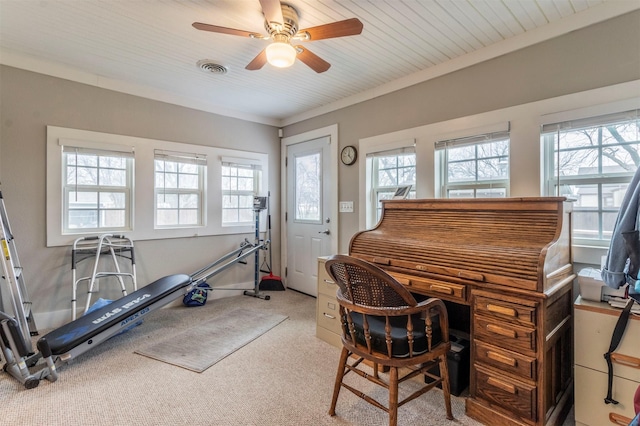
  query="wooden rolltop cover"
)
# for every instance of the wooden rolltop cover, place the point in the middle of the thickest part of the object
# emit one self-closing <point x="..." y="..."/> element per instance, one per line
<point x="518" y="242"/>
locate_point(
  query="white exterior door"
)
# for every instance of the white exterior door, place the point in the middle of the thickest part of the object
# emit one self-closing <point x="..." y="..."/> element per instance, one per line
<point x="309" y="210"/>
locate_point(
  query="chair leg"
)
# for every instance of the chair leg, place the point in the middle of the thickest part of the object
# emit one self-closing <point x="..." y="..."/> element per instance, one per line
<point x="393" y="396"/>
<point x="446" y="388"/>
<point x="339" y="375"/>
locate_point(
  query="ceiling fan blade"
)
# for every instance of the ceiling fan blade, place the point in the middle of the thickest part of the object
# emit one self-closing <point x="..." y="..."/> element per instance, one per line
<point x="272" y="11"/>
<point x="258" y="62"/>
<point x="347" y="27"/>
<point x="312" y="60"/>
<point x="223" y="30"/>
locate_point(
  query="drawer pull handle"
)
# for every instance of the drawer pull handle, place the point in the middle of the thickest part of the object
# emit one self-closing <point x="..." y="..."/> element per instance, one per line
<point x="471" y="275"/>
<point x="328" y="281"/>
<point x="502" y="385"/>
<point x="502" y="310"/>
<point x="382" y="260"/>
<point x="328" y="316"/>
<point x="618" y="419"/>
<point x="403" y="281"/>
<point x="502" y="331"/>
<point x="502" y="359"/>
<point x="441" y="289"/>
<point x="625" y="360"/>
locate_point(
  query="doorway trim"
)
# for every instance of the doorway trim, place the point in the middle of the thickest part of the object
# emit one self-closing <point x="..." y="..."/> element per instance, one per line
<point x="332" y="133"/>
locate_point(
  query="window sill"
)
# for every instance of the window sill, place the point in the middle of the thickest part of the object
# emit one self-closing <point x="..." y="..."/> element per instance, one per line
<point x="589" y="254"/>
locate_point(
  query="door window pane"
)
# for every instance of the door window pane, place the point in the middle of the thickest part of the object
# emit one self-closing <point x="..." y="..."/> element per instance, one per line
<point x="308" y="184"/>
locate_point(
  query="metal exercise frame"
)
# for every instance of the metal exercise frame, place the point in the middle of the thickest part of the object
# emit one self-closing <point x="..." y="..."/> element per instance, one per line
<point x="200" y="276"/>
<point x="80" y="335"/>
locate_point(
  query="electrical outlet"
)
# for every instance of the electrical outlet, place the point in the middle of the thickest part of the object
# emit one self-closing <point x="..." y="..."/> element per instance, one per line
<point x="346" y="206"/>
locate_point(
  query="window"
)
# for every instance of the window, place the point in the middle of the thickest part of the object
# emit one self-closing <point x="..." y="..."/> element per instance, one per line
<point x="151" y="189"/>
<point x="240" y="183"/>
<point x="179" y="189"/>
<point x="476" y="166"/>
<point x="308" y="188"/>
<point x="390" y="170"/>
<point x="97" y="190"/>
<point x="591" y="161"/>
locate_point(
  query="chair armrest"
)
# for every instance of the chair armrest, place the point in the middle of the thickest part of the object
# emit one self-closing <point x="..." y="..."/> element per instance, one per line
<point x="432" y="307"/>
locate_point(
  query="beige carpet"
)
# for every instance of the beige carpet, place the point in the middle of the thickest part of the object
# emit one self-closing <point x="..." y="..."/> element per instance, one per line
<point x="206" y="343"/>
<point x="283" y="378"/>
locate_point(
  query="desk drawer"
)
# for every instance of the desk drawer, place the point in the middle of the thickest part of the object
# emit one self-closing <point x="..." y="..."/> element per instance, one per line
<point x="505" y="308"/>
<point x="505" y="335"/>
<point x="434" y="288"/>
<point x="504" y="360"/>
<point x="328" y="315"/>
<point x="512" y="395"/>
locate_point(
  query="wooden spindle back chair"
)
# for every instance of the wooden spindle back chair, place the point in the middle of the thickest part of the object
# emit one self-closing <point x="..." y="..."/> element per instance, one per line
<point x="384" y="324"/>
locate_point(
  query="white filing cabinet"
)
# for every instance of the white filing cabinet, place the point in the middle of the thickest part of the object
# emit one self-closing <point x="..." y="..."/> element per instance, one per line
<point x="593" y="327"/>
<point x="327" y="312"/>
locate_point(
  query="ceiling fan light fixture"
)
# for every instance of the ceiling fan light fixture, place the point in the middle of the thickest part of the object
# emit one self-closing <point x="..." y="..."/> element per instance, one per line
<point x="281" y="54"/>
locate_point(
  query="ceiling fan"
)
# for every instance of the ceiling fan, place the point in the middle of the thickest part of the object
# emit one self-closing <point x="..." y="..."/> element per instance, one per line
<point x="281" y="22"/>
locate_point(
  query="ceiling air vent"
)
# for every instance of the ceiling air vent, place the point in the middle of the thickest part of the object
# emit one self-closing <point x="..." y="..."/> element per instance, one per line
<point x="210" y="66"/>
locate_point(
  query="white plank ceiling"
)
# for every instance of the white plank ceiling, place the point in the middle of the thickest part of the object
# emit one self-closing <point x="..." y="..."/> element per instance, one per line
<point x="149" y="48"/>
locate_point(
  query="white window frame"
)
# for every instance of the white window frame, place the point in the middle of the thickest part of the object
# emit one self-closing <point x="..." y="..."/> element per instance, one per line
<point x="475" y="185"/>
<point x="376" y="189"/>
<point x="181" y="160"/>
<point x="526" y="156"/>
<point x="239" y="164"/>
<point x="369" y="148"/>
<point x="143" y="195"/>
<point x="68" y="188"/>
<point x="548" y="134"/>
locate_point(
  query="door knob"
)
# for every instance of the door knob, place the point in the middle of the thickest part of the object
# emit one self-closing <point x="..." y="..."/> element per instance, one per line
<point x="326" y="232"/>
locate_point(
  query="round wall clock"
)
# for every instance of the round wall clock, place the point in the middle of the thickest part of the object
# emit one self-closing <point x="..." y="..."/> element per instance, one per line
<point x="349" y="155"/>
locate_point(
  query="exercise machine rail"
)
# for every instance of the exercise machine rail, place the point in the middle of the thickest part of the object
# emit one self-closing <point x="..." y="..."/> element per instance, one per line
<point x="88" y="331"/>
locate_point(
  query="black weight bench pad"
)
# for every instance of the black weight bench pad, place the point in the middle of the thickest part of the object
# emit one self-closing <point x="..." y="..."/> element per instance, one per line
<point x="67" y="337"/>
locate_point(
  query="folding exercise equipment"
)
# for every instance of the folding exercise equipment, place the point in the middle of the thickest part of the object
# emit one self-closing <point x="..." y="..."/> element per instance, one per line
<point x="80" y="335"/>
<point x="14" y="298"/>
<point x="114" y="246"/>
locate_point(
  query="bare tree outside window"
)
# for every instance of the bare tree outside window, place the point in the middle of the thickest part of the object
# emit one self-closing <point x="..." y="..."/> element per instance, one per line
<point x="390" y="172"/>
<point x="240" y="184"/>
<point x="480" y="162"/>
<point x="476" y="169"/>
<point x="96" y="191"/>
<point x="179" y="187"/>
<point x="592" y="166"/>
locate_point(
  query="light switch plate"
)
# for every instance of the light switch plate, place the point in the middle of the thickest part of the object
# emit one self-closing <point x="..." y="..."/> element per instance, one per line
<point x="346" y="206"/>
